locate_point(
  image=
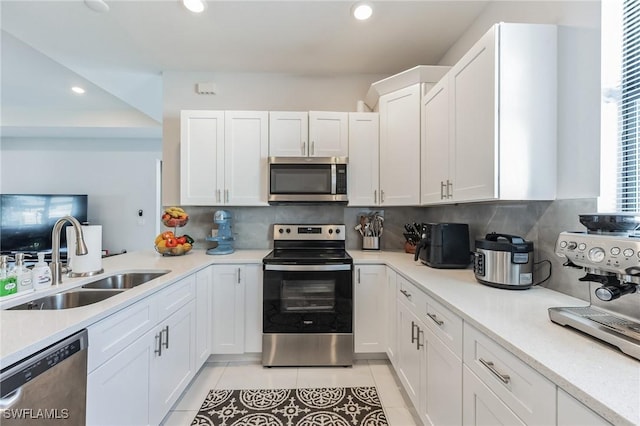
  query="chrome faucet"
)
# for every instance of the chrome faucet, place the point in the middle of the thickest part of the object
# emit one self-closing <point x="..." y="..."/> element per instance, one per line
<point x="81" y="247"/>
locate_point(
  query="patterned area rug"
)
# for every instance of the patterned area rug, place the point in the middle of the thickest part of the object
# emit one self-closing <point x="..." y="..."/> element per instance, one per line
<point x="358" y="406"/>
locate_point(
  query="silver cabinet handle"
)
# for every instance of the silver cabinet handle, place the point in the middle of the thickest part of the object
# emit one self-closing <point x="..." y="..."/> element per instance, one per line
<point x="442" y="187"/>
<point x="418" y="344"/>
<point x="217" y="195"/>
<point x="159" y="342"/>
<point x="358" y="275"/>
<point x="381" y="196"/>
<point x="238" y="275"/>
<point x="449" y="189"/>
<point x="375" y="196"/>
<point x="166" y="331"/>
<point x="504" y="378"/>
<point x="304" y="149"/>
<point x="226" y="195"/>
<point x="435" y="319"/>
<point x="313" y="148"/>
<point x="406" y="294"/>
<point x="413" y="327"/>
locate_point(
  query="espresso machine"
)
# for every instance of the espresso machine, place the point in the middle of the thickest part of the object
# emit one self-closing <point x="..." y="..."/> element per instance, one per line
<point x="609" y="253"/>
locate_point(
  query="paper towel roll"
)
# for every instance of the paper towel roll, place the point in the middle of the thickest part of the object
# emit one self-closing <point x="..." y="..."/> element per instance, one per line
<point x="92" y="261"/>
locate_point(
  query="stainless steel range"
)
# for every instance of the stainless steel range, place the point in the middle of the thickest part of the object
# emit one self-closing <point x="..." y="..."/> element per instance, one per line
<point x="609" y="252"/>
<point x="308" y="297"/>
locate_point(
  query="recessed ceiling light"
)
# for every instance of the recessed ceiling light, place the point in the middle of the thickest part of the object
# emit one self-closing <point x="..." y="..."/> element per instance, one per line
<point x="362" y="11"/>
<point x="195" y="6"/>
<point x="77" y="89"/>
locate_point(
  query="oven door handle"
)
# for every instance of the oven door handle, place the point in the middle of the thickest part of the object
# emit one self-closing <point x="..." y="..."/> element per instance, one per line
<point x="341" y="267"/>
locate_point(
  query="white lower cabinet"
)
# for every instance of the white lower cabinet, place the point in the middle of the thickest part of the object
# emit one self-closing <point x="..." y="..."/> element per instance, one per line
<point x="410" y="353"/>
<point x="237" y="309"/>
<point x="370" y="308"/>
<point x="572" y="412"/>
<point x="136" y="379"/>
<point x="204" y="300"/>
<point x="391" y="327"/>
<point x="482" y="407"/>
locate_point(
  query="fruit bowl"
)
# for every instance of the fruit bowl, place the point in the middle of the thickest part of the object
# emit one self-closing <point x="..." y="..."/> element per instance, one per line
<point x="178" y="250"/>
<point x="173" y="222"/>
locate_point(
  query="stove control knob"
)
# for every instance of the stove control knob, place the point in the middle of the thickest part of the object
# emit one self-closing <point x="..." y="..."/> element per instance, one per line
<point x="331" y="231"/>
<point x="288" y="230"/>
<point x="281" y="230"/>
<point x="596" y="254"/>
<point x="337" y="231"/>
<point x="628" y="252"/>
<point x="572" y="245"/>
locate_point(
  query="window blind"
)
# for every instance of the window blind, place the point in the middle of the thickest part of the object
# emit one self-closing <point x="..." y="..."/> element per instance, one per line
<point x="628" y="175"/>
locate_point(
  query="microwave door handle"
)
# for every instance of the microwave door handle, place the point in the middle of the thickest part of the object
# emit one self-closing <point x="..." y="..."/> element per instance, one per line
<point x="333" y="178"/>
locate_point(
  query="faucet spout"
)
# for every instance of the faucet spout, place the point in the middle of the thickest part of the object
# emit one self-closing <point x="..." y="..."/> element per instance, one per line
<point x="81" y="246"/>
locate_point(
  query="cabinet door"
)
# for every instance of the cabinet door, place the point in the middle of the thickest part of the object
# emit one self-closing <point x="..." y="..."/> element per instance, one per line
<point x="227" y="332"/>
<point x="253" y="308"/>
<point x="288" y="133"/>
<point x="328" y="134"/>
<point x="481" y="407"/>
<point x="572" y="412"/>
<point x="204" y="299"/>
<point x="364" y="136"/>
<point x="118" y="390"/>
<point x="473" y="85"/>
<point x="201" y="157"/>
<point x="391" y="328"/>
<point x="370" y="308"/>
<point x="442" y="398"/>
<point x="409" y="355"/>
<point x="174" y="366"/>
<point x="435" y="183"/>
<point x="400" y="147"/>
<point x="246" y="146"/>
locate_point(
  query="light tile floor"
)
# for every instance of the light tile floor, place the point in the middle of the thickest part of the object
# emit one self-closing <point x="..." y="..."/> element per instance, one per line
<point x="251" y="375"/>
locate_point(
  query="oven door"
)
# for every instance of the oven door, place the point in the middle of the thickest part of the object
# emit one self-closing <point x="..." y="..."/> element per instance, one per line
<point x="307" y="298"/>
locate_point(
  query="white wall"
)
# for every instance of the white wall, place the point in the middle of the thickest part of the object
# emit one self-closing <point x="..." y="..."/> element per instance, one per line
<point x="578" y="82"/>
<point x="249" y="91"/>
<point x="119" y="177"/>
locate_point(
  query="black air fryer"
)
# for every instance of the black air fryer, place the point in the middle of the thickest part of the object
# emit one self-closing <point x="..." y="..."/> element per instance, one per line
<point x="444" y="246"/>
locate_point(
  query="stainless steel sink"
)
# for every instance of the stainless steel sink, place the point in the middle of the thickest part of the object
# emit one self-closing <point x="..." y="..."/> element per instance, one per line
<point x="125" y="280"/>
<point x="68" y="299"/>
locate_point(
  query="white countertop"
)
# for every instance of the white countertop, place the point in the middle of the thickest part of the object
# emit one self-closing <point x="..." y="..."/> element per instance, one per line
<point x="601" y="377"/>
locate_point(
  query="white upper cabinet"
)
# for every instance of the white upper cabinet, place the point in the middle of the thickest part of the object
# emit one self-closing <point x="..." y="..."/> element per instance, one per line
<point x="363" y="185"/>
<point x="288" y="134"/>
<point x="400" y="147"/>
<point x="223" y="158"/>
<point x="312" y="134"/>
<point x="501" y="131"/>
<point x="328" y="134"/>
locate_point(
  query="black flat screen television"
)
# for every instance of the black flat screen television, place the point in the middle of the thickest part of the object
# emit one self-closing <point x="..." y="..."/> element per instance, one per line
<point x="26" y="220"/>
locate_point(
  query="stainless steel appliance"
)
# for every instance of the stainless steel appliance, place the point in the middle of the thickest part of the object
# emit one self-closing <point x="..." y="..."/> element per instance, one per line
<point x="504" y="261"/>
<point x="308" y="297"/>
<point x="47" y="388"/>
<point x="304" y="180"/>
<point x="609" y="252"/>
<point x="444" y="245"/>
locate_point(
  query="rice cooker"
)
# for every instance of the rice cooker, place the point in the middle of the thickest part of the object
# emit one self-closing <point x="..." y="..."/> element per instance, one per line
<point x="504" y="261"/>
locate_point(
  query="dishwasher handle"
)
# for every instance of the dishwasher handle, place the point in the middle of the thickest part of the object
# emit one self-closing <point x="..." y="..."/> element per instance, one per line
<point x="10" y="399"/>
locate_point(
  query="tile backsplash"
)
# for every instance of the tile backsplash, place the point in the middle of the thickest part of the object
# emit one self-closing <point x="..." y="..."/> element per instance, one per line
<point x="538" y="221"/>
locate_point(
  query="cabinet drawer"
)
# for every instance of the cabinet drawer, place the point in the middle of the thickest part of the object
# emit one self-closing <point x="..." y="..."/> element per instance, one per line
<point x="411" y="296"/>
<point x="118" y="331"/>
<point x="444" y="324"/>
<point x="525" y="391"/>
<point x="175" y="296"/>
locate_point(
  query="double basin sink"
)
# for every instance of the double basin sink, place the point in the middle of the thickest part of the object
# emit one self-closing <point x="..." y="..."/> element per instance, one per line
<point x="92" y="292"/>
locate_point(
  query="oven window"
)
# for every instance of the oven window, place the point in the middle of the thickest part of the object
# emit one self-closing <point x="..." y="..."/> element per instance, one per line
<point x="294" y="179"/>
<point x="308" y="296"/>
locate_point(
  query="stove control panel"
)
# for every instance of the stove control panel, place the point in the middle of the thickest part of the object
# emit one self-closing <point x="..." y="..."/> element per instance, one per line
<point x="309" y="232"/>
<point x="614" y="253"/>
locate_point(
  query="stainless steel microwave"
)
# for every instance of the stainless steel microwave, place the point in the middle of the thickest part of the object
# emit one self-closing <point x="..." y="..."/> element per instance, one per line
<point x="307" y="180"/>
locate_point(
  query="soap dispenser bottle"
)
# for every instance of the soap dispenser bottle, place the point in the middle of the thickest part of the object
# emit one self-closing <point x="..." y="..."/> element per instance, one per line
<point x="23" y="274"/>
<point x="7" y="278"/>
<point x="41" y="274"/>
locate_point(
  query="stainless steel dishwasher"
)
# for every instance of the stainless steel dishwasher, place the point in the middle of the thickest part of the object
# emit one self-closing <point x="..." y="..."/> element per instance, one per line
<point x="47" y="388"/>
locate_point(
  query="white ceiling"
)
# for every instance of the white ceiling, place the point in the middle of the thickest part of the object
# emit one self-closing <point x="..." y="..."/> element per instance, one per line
<point x="119" y="56"/>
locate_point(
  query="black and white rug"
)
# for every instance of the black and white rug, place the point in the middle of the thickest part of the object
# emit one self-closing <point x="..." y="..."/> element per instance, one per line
<point x="359" y="406"/>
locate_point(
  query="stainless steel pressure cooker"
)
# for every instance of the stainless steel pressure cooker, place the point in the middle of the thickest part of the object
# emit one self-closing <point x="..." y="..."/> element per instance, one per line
<point x="504" y="261"/>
